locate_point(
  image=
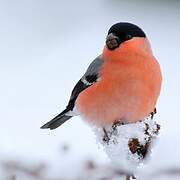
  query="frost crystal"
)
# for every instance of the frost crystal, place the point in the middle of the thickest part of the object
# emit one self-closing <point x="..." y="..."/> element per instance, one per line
<point x="127" y="145"/>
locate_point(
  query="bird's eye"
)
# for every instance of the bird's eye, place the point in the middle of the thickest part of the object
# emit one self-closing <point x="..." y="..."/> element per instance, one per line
<point x="128" y="37"/>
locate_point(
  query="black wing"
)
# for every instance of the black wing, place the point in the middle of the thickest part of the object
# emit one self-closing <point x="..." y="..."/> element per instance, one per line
<point x="90" y="77"/>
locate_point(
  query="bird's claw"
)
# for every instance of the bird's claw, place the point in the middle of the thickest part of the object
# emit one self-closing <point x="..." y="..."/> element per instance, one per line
<point x="153" y="113"/>
<point x="106" y="138"/>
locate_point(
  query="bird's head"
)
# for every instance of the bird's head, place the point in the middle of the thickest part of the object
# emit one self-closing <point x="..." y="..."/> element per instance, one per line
<point x="122" y="32"/>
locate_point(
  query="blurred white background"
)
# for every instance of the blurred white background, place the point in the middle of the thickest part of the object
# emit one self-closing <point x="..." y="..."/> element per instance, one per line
<point x="46" y="46"/>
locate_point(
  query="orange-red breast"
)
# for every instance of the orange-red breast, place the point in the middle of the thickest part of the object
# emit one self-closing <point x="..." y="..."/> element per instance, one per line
<point x="122" y="84"/>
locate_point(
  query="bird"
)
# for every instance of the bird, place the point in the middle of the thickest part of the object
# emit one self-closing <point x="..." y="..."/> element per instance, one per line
<point x="121" y="85"/>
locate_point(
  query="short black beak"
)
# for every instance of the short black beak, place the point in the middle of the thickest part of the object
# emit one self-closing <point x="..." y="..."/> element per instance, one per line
<point x="112" y="41"/>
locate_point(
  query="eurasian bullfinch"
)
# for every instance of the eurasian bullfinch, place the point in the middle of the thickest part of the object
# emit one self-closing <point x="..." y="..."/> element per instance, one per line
<point x="120" y="85"/>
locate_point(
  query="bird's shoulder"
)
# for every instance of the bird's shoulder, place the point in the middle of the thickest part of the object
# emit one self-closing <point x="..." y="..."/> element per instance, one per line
<point x="91" y="76"/>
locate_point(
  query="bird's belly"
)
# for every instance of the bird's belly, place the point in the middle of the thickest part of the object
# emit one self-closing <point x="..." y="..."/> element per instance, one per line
<point x="104" y="102"/>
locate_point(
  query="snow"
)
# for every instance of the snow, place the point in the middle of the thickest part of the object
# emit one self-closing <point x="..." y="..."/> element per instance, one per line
<point x="117" y="146"/>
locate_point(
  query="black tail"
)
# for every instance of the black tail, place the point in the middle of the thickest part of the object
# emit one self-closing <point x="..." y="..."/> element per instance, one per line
<point x="57" y="121"/>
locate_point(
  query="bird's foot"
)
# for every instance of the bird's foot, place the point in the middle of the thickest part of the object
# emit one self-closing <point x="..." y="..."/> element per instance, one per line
<point x="112" y="131"/>
<point x="106" y="137"/>
<point x="153" y="113"/>
<point x="117" y="123"/>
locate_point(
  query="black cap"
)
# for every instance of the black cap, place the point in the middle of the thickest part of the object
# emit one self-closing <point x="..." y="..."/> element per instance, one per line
<point x="124" y="29"/>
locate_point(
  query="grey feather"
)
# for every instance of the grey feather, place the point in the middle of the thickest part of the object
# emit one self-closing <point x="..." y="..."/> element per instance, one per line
<point x="93" y="70"/>
<point x="95" y="66"/>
